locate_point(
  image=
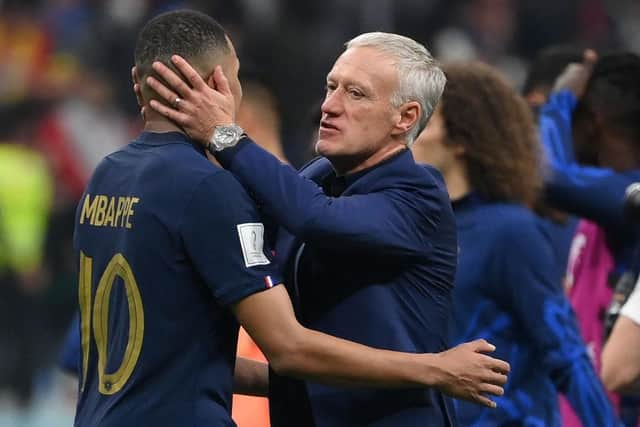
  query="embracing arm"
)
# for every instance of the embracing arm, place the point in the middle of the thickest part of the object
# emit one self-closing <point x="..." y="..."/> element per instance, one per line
<point x="380" y="221"/>
<point x="251" y="377"/>
<point x="293" y="350"/>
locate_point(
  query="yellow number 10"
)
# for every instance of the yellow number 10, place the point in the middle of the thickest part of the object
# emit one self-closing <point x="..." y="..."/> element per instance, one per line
<point x="118" y="266"/>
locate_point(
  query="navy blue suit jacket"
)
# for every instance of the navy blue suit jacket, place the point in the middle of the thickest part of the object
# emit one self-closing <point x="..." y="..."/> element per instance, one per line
<point x="374" y="265"/>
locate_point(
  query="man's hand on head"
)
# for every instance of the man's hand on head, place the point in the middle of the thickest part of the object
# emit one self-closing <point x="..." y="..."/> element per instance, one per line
<point x="197" y="106"/>
<point x="576" y="75"/>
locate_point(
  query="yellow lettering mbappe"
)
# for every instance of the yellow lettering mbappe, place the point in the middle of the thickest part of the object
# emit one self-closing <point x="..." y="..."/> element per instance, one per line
<point x="108" y="220"/>
<point x="108" y="211"/>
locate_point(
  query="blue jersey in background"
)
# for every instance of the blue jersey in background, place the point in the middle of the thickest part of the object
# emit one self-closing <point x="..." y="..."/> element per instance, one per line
<point x="507" y="292"/>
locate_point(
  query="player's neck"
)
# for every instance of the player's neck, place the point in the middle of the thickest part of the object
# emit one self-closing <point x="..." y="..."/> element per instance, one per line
<point x="457" y="182"/>
<point x="154" y="122"/>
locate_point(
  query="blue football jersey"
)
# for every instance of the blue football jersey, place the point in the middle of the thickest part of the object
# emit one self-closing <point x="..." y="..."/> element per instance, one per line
<point x="507" y="291"/>
<point x="166" y="241"/>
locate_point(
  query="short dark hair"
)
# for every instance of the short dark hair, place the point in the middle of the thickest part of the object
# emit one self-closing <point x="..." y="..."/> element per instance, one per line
<point x="187" y="33"/>
<point x="549" y="63"/>
<point x="613" y="91"/>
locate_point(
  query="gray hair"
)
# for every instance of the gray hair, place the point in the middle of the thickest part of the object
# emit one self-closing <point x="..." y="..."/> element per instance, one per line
<point x="420" y="78"/>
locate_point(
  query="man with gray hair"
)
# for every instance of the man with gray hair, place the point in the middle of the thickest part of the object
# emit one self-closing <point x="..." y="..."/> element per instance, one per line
<point x="367" y="237"/>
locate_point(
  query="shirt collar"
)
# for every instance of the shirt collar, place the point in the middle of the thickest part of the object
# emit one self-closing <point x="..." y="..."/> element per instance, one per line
<point x="163" y="138"/>
<point x="334" y="185"/>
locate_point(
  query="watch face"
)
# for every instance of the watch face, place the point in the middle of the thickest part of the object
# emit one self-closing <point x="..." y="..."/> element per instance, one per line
<point x="226" y="135"/>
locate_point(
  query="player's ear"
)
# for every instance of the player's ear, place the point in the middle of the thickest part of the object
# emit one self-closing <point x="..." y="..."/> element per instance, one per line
<point x="211" y="82"/>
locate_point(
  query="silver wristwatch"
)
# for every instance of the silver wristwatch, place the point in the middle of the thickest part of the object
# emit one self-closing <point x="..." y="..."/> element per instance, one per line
<point x="224" y="136"/>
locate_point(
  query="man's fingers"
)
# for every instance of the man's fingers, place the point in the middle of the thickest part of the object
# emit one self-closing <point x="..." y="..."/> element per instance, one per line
<point x="499" y="379"/>
<point x="482" y="346"/>
<point x="483" y="400"/>
<point x="493" y="377"/>
<point x="189" y="72"/>
<point x="497" y="365"/>
<point x="173" y="80"/>
<point x="492" y="389"/>
<point x="174" y="115"/>
<point x="222" y="84"/>
<point x="166" y="94"/>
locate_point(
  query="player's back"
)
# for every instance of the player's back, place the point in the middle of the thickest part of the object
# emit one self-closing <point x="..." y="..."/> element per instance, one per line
<point x="158" y="348"/>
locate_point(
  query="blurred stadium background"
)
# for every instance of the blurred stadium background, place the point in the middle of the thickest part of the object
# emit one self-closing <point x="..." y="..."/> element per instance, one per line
<point x="66" y="101"/>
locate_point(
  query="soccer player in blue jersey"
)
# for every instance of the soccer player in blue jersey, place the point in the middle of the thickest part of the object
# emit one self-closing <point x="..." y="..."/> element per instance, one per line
<point x="367" y="236"/>
<point x="541" y="76"/>
<point x="483" y="140"/>
<point x="590" y="129"/>
<point x="172" y="256"/>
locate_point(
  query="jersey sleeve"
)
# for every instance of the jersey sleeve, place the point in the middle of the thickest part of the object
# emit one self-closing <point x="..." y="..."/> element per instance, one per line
<point x="225" y="239"/>
<point x="383" y="221"/>
<point x="532" y="290"/>
<point x="586" y="191"/>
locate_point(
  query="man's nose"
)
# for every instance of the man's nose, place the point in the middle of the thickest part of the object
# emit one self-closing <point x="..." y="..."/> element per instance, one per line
<point x="332" y="103"/>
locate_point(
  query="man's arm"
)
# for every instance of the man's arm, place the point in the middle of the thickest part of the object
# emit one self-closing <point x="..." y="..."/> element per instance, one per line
<point x="463" y="372"/>
<point x="221" y="234"/>
<point x="381" y="222"/>
<point x="621" y="353"/>
<point x="251" y="377"/>
<point x="594" y="193"/>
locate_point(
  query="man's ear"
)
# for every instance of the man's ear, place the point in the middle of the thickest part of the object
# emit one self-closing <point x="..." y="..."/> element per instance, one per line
<point x="409" y="114"/>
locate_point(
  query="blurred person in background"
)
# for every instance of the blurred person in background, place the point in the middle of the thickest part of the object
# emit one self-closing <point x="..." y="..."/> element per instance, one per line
<point x="482" y="138"/>
<point x="83" y="126"/>
<point x="483" y="30"/>
<point x="25" y="49"/>
<point x="621" y="352"/>
<point x="591" y="131"/>
<point x="544" y="70"/>
<point x="26" y="193"/>
<point x="259" y="116"/>
<point x="367" y="237"/>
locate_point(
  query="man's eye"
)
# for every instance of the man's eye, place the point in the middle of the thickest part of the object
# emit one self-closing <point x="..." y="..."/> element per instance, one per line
<point x="356" y="93"/>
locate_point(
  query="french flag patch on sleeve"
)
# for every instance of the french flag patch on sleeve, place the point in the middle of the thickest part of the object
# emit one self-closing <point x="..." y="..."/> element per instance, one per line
<point x="268" y="282"/>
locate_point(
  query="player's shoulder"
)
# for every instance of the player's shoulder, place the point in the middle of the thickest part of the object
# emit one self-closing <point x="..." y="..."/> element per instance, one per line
<point x="507" y="220"/>
<point x="509" y="215"/>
